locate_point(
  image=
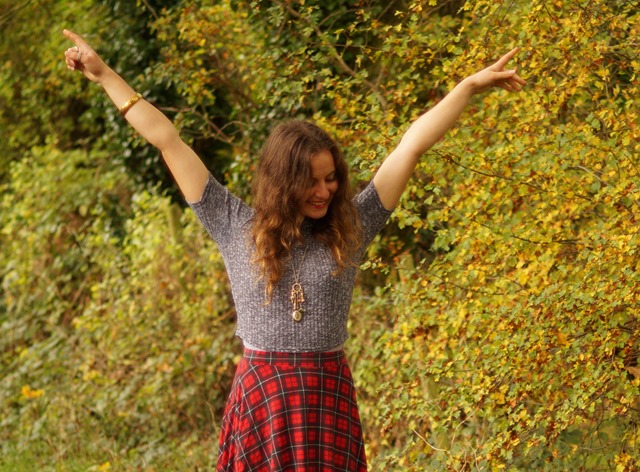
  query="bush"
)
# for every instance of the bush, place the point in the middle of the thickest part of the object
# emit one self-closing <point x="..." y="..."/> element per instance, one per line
<point x="495" y="324"/>
<point x="117" y="318"/>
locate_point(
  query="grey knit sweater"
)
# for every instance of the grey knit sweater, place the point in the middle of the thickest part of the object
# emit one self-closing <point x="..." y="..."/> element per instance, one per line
<point x="270" y="327"/>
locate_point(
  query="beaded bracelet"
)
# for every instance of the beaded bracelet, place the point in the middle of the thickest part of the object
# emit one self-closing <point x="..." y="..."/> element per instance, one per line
<point x="127" y="106"/>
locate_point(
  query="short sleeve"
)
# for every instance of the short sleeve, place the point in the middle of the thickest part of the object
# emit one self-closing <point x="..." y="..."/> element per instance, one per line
<point x="223" y="215"/>
<point x="373" y="215"/>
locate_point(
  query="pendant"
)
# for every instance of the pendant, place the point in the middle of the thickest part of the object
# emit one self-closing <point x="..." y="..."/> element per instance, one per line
<point x="297" y="298"/>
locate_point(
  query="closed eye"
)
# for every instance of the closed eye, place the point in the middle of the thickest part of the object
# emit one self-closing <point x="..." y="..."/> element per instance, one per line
<point x="329" y="178"/>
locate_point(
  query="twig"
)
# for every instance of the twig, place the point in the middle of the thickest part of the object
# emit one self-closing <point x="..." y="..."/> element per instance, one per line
<point x="337" y="57"/>
<point x="150" y="8"/>
<point x="427" y="442"/>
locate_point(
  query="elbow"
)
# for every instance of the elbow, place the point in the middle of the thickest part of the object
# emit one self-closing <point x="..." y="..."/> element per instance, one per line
<point x="408" y="154"/>
<point x="165" y="138"/>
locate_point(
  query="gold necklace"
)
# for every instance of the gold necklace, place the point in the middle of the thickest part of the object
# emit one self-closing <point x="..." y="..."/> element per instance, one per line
<point x="297" y="292"/>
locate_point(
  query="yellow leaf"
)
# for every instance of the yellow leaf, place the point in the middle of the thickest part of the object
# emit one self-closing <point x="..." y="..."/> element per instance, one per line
<point x="635" y="371"/>
<point x="30" y="394"/>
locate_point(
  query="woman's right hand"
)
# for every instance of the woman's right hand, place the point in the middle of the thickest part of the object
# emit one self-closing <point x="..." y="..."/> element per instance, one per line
<point x="187" y="168"/>
<point x="83" y="58"/>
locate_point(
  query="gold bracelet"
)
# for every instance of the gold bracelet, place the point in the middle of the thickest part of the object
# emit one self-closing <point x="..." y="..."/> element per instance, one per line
<point x="132" y="101"/>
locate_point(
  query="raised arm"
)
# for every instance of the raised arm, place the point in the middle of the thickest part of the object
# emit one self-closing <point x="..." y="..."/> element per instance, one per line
<point x="394" y="173"/>
<point x="188" y="170"/>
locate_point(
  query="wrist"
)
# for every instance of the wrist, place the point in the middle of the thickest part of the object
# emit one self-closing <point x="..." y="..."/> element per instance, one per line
<point x="107" y="77"/>
<point x="467" y="87"/>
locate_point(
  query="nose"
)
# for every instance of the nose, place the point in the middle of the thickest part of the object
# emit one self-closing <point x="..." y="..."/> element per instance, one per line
<point x="321" y="192"/>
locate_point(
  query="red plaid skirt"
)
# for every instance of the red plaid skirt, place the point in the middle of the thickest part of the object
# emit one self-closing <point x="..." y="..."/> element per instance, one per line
<point x="292" y="412"/>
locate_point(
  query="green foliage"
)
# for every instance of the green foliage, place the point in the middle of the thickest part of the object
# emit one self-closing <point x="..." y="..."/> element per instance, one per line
<point x="525" y="312"/>
<point x="36" y="103"/>
<point x="495" y="325"/>
<point x="115" y="309"/>
<point x="41" y="102"/>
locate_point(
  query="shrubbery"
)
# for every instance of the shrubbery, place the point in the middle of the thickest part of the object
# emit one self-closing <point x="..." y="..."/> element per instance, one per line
<point x="495" y="325"/>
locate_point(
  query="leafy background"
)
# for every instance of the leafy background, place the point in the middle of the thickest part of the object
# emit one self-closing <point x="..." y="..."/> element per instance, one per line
<point x="495" y="325"/>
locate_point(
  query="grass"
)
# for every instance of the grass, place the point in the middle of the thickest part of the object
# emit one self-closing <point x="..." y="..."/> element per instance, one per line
<point x="31" y="461"/>
<point x="90" y="457"/>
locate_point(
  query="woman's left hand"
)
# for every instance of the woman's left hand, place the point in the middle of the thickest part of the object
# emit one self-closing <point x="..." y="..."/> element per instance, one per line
<point x="396" y="170"/>
<point x="496" y="76"/>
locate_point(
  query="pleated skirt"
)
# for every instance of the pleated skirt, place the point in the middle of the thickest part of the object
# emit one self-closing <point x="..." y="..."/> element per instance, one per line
<point x="292" y="412"/>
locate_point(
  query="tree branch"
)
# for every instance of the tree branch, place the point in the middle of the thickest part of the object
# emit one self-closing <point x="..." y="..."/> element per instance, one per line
<point x="334" y="53"/>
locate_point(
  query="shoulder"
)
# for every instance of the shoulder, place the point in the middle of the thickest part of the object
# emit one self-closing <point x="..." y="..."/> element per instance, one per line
<point x="369" y="199"/>
<point x="220" y="211"/>
<point x="215" y="193"/>
<point x="373" y="215"/>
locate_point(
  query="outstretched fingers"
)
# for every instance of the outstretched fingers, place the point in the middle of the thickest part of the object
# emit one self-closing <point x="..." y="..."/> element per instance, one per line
<point x="507" y="79"/>
<point x="513" y="83"/>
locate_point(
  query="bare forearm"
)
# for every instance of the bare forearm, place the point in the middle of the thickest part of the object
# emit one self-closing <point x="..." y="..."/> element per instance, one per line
<point x="433" y="125"/>
<point x="393" y="175"/>
<point x="146" y="119"/>
<point x="189" y="171"/>
<point x="185" y="166"/>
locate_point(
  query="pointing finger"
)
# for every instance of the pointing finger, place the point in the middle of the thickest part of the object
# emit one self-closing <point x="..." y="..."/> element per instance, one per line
<point x="504" y="59"/>
<point x="75" y="38"/>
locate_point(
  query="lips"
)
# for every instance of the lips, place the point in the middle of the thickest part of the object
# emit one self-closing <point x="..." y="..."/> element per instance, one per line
<point x="319" y="205"/>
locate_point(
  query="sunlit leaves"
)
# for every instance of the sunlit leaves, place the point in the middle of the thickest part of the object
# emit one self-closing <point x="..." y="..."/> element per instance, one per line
<point x="524" y="305"/>
<point x="495" y="325"/>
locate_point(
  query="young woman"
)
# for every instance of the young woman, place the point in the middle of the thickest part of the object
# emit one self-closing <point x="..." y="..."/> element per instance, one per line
<point x="292" y="260"/>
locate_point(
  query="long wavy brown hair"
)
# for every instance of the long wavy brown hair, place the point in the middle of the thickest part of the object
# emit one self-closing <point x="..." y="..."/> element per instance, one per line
<point x="283" y="175"/>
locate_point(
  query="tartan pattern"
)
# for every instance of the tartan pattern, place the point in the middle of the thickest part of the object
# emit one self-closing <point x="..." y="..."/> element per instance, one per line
<point x="292" y="412"/>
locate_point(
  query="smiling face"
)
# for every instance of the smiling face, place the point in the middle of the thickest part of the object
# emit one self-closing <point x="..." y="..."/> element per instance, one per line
<point x="324" y="184"/>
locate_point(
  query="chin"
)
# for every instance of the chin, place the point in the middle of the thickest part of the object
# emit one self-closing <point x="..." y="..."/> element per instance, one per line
<point x="315" y="215"/>
<point x="315" y="212"/>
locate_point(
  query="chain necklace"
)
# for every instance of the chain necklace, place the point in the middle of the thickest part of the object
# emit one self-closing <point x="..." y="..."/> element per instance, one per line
<point x="297" y="292"/>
